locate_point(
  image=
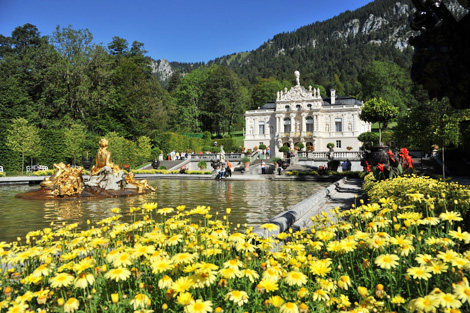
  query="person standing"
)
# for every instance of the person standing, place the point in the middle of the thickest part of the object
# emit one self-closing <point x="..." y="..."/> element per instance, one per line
<point x="263" y="167"/>
<point x="229" y="169"/>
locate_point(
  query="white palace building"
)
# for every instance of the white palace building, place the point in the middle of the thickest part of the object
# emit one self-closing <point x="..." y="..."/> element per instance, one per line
<point x="301" y="115"/>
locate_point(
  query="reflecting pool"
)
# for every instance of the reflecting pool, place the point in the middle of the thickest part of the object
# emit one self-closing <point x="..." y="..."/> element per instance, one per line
<point x="252" y="202"/>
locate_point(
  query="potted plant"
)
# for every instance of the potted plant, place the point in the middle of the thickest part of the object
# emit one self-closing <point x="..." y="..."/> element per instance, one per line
<point x="349" y="148"/>
<point x="246" y="162"/>
<point x="87" y="162"/>
<point x="330" y="145"/>
<point x="202" y="165"/>
<point x="300" y="146"/>
<point x="310" y="148"/>
<point x="284" y="150"/>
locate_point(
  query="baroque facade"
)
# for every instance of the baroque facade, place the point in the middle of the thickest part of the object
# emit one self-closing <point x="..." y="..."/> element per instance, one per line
<point x="301" y="115"/>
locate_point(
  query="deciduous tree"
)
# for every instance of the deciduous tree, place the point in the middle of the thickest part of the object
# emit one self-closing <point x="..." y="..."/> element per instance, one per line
<point x="23" y="138"/>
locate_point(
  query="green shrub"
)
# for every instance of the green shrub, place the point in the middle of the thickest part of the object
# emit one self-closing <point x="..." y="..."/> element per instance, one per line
<point x="262" y="147"/>
<point x="162" y="167"/>
<point x="3" y="174"/>
<point x="330" y="145"/>
<point x="202" y="165"/>
<point x="284" y="149"/>
<point x="245" y="160"/>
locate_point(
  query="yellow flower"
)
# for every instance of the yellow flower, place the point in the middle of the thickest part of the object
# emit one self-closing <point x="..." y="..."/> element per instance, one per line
<point x="344" y="282"/>
<point x="115" y="297"/>
<point x="42" y="270"/>
<point x="18" y="308"/>
<point x="141" y="301"/>
<point x="269" y="227"/>
<point x="71" y="305"/>
<point x="449" y="300"/>
<point x="387" y="261"/>
<point x="234" y="263"/>
<point x="398" y="300"/>
<point x="320" y="268"/>
<point x="427" y="304"/>
<point x="448" y="256"/>
<point x="289" y="307"/>
<point x="269" y="285"/>
<point x="161" y="265"/>
<point x="122" y="259"/>
<point x="462" y="290"/>
<point x="182" y="284"/>
<point x="118" y="274"/>
<point x="183" y="258"/>
<point x="165" y="282"/>
<point x="83" y="280"/>
<point x="320" y="295"/>
<point x="419" y="272"/>
<point x="229" y="273"/>
<point x="199" y="306"/>
<point x="185" y="298"/>
<point x="362" y="291"/>
<point x="451" y="216"/>
<point x="61" y="280"/>
<point x="276" y="301"/>
<point x="238" y="297"/>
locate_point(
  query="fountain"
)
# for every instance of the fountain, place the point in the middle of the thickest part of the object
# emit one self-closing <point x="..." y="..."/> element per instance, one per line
<point x="107" y="180"/>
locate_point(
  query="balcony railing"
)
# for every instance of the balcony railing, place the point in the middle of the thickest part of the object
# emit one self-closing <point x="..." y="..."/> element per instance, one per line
<point x="338" y="155"/>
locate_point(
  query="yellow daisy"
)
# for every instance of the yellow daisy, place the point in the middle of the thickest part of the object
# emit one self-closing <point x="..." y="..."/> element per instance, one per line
<point x="199" y="306"/>
<point x="61" y="280"/>
<point x="296" y="278"/>
<point x="449" y="300"/>
<point x="419" y="272"/>
<point x="141" y="301"/>
<point x="118" y="274"/>
<point x="238" y="297"/>
<point x="289" y="307"/>
<point x="71" y="305"/>
<point x="387" y="261"/>
<point x="462" y="290"/>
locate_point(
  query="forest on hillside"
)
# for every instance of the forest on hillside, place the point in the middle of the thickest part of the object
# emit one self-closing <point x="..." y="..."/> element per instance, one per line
<point x="66" y="82"/>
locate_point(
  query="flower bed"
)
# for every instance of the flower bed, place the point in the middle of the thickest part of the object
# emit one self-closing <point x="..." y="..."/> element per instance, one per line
<point x="387" y="256"/>
<point x="171" y="172"/>
<point x="51" y="172"/>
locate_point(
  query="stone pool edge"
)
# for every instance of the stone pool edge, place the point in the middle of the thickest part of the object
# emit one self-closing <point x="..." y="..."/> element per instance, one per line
<point x="340" y="193"/>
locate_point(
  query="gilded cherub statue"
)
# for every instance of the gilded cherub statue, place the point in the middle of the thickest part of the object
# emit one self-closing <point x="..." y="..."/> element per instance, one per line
<point x="141" y="184"/>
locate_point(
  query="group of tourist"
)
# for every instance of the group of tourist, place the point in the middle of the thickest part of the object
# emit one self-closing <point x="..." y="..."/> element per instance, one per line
<point x="172" y="156"/>
<point x="224" y="170"/>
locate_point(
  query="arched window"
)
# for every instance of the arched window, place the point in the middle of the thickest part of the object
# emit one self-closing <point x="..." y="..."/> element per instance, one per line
<point x="309" y="106"/>
<point x="287" y="108"/>
<point x="287" y="128"/>
<point x="309" y="123"/>
<point x="298" y="107"/>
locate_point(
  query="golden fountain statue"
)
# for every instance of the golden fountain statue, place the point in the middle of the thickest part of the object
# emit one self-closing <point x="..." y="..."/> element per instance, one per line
<point x="106" y="180"/>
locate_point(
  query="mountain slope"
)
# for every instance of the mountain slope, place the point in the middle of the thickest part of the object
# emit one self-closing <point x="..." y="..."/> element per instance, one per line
<point x="342" y="45"/>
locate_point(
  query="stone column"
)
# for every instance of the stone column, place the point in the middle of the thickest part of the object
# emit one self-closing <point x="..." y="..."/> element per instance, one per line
<point x="304" y="125"/>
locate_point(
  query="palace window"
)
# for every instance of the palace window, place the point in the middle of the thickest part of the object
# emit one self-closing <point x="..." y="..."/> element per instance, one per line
<point x="309" y="122"/>
<point x="309" y="106"/>
<point x="261" y="128"/>
<point x="338" y="143"/>
<point x="287" y="108"/>
<point x="339" y="124"/>
<point x="287" y="125"/>
<point x="298" y="107"/>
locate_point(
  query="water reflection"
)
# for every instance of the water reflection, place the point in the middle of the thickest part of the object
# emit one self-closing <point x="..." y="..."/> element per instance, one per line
<point x="252" y="202"/>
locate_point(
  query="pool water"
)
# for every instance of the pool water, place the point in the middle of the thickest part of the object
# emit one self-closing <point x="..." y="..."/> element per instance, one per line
<point x="252" y="203"/>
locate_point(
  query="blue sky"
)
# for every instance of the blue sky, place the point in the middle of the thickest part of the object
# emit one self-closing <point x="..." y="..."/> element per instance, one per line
<point x="177" y="30"/>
